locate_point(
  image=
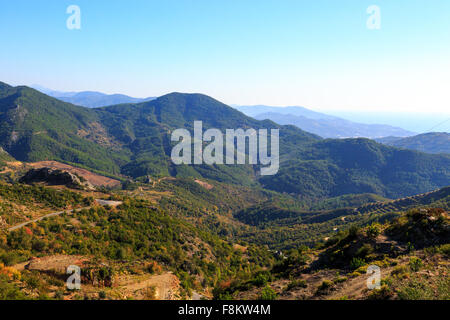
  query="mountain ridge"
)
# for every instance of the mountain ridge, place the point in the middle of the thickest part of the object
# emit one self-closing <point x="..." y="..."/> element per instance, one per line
<point x="134" y="140"/>
<point x="90" y="99"/>
<point x="327" y="126"/>
<point x="431" y="142"/>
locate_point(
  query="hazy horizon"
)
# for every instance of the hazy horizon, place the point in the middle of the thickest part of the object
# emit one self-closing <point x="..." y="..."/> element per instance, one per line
<point x="415" y="121"/>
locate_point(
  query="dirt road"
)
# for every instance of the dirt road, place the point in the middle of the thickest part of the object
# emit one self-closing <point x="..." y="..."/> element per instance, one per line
<point x="54" y="214"/>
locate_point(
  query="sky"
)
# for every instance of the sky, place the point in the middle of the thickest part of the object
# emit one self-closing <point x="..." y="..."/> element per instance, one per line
<point x="318" y="54"/>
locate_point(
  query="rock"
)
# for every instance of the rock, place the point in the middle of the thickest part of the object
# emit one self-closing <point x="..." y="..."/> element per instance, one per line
<point x="56" y="177"/>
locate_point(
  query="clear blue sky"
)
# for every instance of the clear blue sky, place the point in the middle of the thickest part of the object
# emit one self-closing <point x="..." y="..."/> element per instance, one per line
<point x="318" y="54"/>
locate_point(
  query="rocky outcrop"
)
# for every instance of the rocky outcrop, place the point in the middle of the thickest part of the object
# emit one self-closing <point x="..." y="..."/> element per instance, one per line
<point x="55" y="177"/>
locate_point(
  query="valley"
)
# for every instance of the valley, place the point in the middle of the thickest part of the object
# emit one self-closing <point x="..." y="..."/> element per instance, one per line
<point x="224" y="159"/>
<point x="96" y="188"/>
<point x="194" y="260"/>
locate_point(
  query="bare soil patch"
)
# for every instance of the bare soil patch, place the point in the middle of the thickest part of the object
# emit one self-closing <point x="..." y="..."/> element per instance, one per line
<point x="57" y="263"/>
<point x="166" y="286"/>
<point x="204" y="184"/>
<point x="95" y="179"/>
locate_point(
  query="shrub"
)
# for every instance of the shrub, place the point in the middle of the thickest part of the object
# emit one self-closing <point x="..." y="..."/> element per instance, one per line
<point x="387" y="281"/>
<point x="445" y="249"/>
<point x="59" y="295"/>
<point x="33" y="281"/>
<point x="354" y="232"/>
<point x="261" y="278"/>
<point x="415" y="264"/>
<point x="380" y="294"/>
<point x="354" y="274"/>
<point x="400" y="271"/>
<point x="300" y="283"/>
<point x="326" y="284"/>
<point x="223" y="296"/>
<point x="268" y="294"/>
<point x="362" y="269"/>
<point x="340" y="279"/>
<point x="154" y="267"/>
<point x="9" y="291"/>
<point x="373" y="230"/>
<point x="364" y="251"/>
<point x="39" y="245"/>
<point x="356" y="262"/>
<point x="12" y="273"/>
<point x="416" y="290"/>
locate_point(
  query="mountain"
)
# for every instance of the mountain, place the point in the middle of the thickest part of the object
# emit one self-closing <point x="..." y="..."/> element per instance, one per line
<point x="145" y="130"/>
<point x="334" y="128"/>
<point x="52" y="93"/>
<point x="91" y="99"/>
<point x="336" y="167"/>
<point x="322" y="124"/>
<point x="420" y="122"/>
<point x="254" y="111"/>
<point x="433" y="142"/>
<point x="37" y="127"/>
<point x="133" y="140"/>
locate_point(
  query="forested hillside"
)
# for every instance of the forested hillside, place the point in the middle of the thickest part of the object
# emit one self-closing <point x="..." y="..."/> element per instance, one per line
<point x="411" y="253"/>
<point x="133" y="140"/>
<point x="433" y="142"/>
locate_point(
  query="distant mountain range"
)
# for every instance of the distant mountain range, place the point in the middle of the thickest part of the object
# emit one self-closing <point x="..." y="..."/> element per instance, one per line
<point x="434" y="142"/>
<point x="134" y="140"/>
<point x="420" y="122"/>
<point x="90" y="99"/>
<point x="324" y="125"/>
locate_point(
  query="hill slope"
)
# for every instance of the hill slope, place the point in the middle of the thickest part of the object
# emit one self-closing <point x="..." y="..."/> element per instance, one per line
<point x="134" y="140"/>
<point x="433" y="142"/>
<point x="90" y="99"/>
<point x="411" y="253"/>
<point x="284" y="228"/>
<point x="336" y="167"/>
<point x="97" y="99"/>
<point x="37" y="127"/>
<point x="322" y="124"/>
<point x="145" y="129"/>
<point x="334" y="128"/>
